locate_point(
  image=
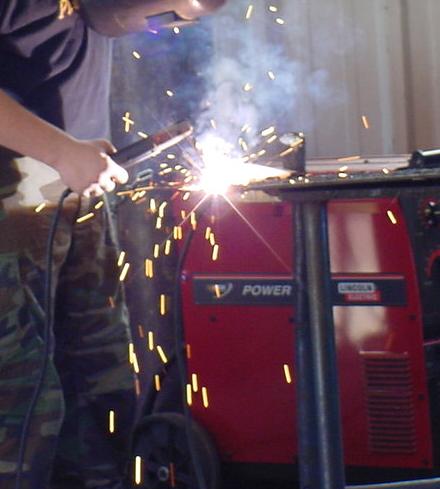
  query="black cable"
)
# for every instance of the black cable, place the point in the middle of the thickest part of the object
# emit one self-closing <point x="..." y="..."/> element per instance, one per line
<point x="48" y="325"/>
<point x="181" y="364"/>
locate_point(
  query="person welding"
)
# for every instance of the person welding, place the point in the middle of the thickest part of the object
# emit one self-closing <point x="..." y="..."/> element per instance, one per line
<point x="55" y="59"/>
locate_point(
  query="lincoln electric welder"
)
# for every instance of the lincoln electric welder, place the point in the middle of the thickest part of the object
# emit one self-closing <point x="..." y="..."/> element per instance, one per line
<point x="238" y="322"/>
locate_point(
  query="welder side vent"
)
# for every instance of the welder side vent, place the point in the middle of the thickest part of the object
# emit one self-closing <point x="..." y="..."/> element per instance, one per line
<point x="390" y="406"/>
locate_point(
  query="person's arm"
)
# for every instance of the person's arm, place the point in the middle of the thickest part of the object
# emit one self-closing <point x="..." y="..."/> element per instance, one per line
<point x="84" y="166"/>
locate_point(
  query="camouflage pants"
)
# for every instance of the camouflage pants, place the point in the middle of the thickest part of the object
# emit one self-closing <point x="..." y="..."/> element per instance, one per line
<point x="69" y="444"/>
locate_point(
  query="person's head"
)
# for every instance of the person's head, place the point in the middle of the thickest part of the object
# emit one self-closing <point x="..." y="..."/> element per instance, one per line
<point x="118" y="17"/>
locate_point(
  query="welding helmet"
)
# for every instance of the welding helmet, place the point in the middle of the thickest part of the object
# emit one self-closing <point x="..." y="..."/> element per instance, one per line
<point x="118" y="17"/>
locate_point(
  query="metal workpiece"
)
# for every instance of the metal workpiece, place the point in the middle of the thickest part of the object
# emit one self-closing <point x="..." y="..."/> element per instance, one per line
<point x="359" y="184"/>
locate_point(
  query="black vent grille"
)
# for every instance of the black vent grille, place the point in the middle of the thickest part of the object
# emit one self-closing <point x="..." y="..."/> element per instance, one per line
<point x="390" y="406"/>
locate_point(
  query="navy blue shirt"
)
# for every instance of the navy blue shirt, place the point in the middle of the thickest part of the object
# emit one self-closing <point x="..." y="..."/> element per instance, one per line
<point x="57" y="68"/>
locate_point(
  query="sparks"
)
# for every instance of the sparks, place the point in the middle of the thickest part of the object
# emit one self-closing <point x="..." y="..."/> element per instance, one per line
<point x="365" y="122"/>
<point x="268" y="131"/>
<point x="195" y="383"/>
<point x="217" y="291"/>
<point x="391" y="217"/>
<point x="131" y="353"/>
<point x="215" y="252"/>
<point x="65" y="8"/>
<point x="286" y="152"/>
<point x="205" y="397"/>
<point x="243" y="144"/>
<point x="188" y="395"/>
<point x="153" y="206"/>
<point x="349" y="158"/>
<point x="221" y="168"/>
<point x="124" y="272"/>
<point x="111" y="421"/>
<point x="40" y="207"/>
<point x="136" y="55"/>
<point x="271" y="75"/>
<point x="157" y="382"/>
<point x="128" y="122"/>
<point x="170" y="93"/>
<point x="249" y="11"/>
<point x="149" y="273"/>
<point x="167" y="249"/>
<point x="161" y="353"/>
<point x="163" y="304"/>
<point x="138" y="470"/>
<point x="150" y="340"/>
<point x="135" y="363"/>
<point x="193" y="220"/>
<point x="121" y="258"/>
<point x="280" y="21"/>
<point x="287" y="373"/>
<point x="162" y="208"/>
<point x="156" y="250"/>
<point x="85" y="218"/>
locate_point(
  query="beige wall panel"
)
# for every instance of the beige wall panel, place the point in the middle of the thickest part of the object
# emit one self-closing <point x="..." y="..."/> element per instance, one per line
<point x="359" y="45"/>
<point x="354" y="58"/>
<point x="424" y="71"/>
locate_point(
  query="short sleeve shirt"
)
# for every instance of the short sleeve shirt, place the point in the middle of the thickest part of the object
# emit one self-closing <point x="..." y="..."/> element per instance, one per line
<point x="56" y="67"/>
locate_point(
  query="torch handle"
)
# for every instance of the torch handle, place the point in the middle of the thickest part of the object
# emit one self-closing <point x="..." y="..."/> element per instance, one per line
<point x="152" y="146"/>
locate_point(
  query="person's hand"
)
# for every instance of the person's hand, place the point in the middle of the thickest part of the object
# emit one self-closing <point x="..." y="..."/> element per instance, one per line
<point x="86" y="167"/>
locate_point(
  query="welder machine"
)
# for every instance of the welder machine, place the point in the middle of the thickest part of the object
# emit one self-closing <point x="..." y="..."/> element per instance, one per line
<point x="237" y="315"/>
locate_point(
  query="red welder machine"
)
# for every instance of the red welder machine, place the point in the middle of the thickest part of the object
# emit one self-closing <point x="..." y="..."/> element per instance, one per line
<point x="238" y="322"/>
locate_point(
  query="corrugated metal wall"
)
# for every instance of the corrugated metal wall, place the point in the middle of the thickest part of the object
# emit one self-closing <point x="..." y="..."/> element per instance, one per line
<point x="352" y="58"/>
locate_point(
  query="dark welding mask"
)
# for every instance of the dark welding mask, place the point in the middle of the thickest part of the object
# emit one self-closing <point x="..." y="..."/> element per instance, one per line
<point x="118" y="17"/>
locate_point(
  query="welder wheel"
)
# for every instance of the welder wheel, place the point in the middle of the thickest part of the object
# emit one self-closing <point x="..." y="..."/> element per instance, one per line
<point x="162" y="457"/>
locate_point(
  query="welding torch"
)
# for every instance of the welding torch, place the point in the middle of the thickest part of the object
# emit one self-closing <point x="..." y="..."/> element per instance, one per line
<point x="152" y="146"/>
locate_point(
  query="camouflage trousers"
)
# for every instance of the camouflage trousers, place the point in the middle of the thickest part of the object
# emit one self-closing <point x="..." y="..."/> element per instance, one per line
<point x="80" y="431"/>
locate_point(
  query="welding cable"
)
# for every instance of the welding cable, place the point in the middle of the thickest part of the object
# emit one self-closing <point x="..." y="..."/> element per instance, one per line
<point x="181" y="364"/>
<point x="47" y="338"/>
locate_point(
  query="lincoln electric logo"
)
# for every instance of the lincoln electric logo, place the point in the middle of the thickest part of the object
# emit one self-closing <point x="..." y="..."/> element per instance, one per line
<point x="220" y="291"/>
<point x="359" y="291"/>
